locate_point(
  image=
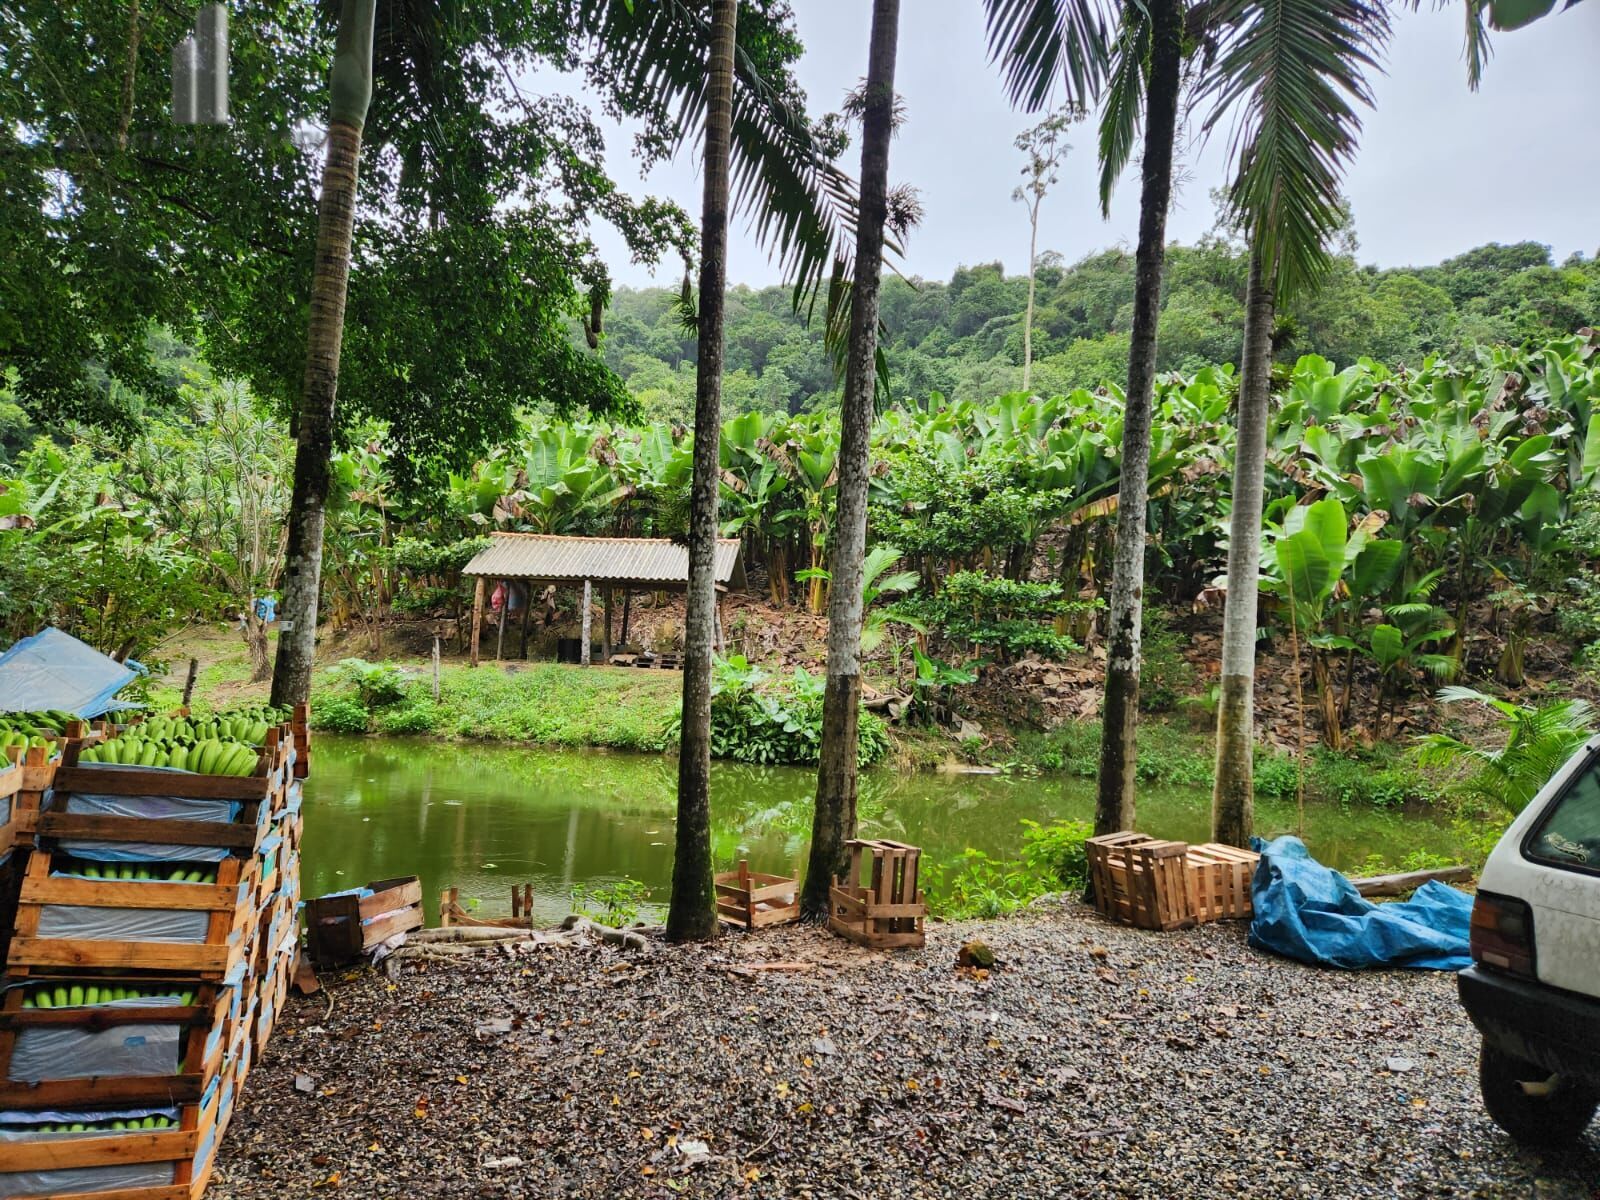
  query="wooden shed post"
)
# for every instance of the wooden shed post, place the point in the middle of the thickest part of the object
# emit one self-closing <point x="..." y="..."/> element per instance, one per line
<point x="527" y="608"/>
<point x="605" y="637"/>
<point x="627" y="604"/>
<point x="588" y="617"/>
<point x="505" y="611"/>
<point x="477" y="617"/>
<point x="716" y="613"/>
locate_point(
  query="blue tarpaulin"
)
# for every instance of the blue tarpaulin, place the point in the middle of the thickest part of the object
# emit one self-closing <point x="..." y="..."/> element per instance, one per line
<point x="52" y="669"/>
<point x="1310" y="912"/>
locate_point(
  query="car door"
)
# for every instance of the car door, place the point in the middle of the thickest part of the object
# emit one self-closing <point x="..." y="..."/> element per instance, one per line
<point x="1551" y="858"/>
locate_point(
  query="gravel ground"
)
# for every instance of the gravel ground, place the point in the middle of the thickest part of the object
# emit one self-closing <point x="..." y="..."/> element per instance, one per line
<point x="1094" y="1061"/>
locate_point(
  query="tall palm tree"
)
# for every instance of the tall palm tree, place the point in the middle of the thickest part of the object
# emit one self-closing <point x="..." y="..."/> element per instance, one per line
<point x="692" y="915"/>
<point x="834" y="819"/>
<point x="1293" y="70"/>
<point x="349" y="93"/>
<point x="1130" y="57"/>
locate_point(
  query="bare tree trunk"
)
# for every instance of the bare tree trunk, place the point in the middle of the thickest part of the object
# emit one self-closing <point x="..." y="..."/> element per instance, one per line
<point x="1114" y="807"/>
<point x="255" y="638"/>
<point x="691" y="915"/>
<point x="1027" y="320"/>
<point x="350" y="90"/>
<point x="834" y="821"/>
<point x="1233" y="793"/>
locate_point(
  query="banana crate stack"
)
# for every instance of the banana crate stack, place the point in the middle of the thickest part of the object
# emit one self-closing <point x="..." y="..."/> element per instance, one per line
<point x="151" y="947"/>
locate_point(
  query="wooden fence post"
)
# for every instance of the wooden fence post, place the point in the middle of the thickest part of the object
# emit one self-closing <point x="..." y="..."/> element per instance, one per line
<point x="436" y="668"/>
<point x="588" y="617"/>
<point x="477" y="617"/>
<point x="605" y="637"/>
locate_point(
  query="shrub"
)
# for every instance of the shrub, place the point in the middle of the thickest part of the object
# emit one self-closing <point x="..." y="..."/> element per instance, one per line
<point x="1006" y="615"/>
<point x="340" y="714"/>
<point x="379" y="684"/>
<point x="757" y="719"/>
<point x="409" y="718"/>
<point x="1057" y="851"/>
<point x="1165" y="676"/>
<point x="1277" y="776"/>
<point x="980" y="886"/>
<point x="616" y="903"/>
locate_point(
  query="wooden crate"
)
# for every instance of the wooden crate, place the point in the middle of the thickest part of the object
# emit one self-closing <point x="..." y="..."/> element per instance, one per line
<point x="38" y="764"/>
<point x="340" y="929"/>
<point x="1217" y="879"/>
<point x="1139" y="880"/>
<point x="198" y="1123"/>
<point x="750" y="900"/>
<point x="888" y="910"/>
<point x="210" y="1011"/>
<point x="11" y="813"/>
<point x="259" y="796"/>
<point x="300" y="729"/>
<point x="231" y="903"/>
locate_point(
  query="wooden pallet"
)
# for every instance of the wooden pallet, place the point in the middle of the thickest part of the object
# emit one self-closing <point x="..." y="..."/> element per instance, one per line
<point x="1217" y="880"/>
<point x="748" y="899"/>
<point x="335" y="933"/>
<point x="211" y="1010"/>
<point x="888" y="910"/>
<point x="178" y="1146"/>
<point x="11" y="811"/>
<point x="1139" y="880"/>
<point x="231" y="903"/>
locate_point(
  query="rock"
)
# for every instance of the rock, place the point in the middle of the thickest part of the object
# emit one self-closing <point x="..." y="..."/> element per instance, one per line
<point x="1399" y="1065"/>
<point x="975" y="954"/>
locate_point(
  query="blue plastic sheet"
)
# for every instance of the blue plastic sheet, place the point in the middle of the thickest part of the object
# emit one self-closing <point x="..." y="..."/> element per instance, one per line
<point x="1306" y="911"/>
<point x="52" y="669"/>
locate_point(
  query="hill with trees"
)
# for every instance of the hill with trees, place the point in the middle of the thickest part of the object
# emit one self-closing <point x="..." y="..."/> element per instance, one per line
<point x="963" y="337"/>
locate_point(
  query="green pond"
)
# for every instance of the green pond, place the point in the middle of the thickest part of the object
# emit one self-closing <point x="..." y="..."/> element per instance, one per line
<point x="483" y="817"/>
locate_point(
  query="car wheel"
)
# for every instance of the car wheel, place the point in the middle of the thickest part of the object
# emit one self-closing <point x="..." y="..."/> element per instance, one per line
<point x="1554" y="1119"/>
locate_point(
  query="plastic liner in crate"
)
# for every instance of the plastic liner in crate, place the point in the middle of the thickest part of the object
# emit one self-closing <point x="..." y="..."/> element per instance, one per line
<point x="71" y="921"/>
<point x="45" y="1158"/>
<point x="107" y="809"/>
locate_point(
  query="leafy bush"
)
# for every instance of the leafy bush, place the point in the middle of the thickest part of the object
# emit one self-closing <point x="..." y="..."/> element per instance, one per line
<point x="1009" y="616"/>
<point x="615" y="903"/>
<point x="1277" y="776"/>
<point x="1363" y="780"/>
<point x="339" y="714"/>
<point x="1057" y="850"/>
<point x="1165" y="675"/>
<point x="420" y="717"/>
<point x="758" y="719"/>
<point x="1416" y="860"/>
<point x="980" y="886"/>
<point x="1536" y="743"/>
<point x="379" y="684"/>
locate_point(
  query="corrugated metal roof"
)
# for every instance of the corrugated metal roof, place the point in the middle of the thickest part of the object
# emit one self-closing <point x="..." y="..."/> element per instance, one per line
<point x="650" y="561"/>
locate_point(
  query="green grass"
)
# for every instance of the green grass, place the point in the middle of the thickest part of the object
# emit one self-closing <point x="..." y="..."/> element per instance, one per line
<point x="548" y="703"/>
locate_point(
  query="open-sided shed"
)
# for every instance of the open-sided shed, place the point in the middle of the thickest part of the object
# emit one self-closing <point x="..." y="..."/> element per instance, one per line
<point x="609" y="563"/>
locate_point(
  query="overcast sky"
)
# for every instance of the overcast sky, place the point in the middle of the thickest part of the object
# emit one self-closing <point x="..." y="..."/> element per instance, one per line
<point x="1440" y="169"/>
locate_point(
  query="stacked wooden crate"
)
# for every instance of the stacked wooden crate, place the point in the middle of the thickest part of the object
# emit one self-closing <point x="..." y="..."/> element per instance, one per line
<point x="1154" y="884"/>
<point x="140" y="939"/>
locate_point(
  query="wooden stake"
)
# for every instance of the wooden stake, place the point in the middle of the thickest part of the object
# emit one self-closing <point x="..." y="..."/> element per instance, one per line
<point x="436" y="669"/>
<point x="477" y="617"/>
<point x="605" y="637"/>
<point x="188" y="684"/>
<point x="505" y="607"/>
<point x="588" y="617"/>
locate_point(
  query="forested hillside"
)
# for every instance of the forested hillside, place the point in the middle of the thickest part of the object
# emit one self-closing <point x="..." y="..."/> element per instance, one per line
<point x="964" y="337"/>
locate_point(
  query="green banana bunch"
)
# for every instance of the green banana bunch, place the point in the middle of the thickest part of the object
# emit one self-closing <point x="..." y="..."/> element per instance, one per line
<point x="209" y="756"/>
<point x="64" y="995"/>
<point x="116" y="1126"/>
<point x="45" y="721"/>
<point x="137" y="872"/>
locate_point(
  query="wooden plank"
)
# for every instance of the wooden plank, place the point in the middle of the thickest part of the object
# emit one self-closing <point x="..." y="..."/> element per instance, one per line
<point x="228" y="835"/>
<point x="398" y="894"/>
<point x="89" y="893"/>
<point x="1405" y="881"/>
<point x="111" y="780"/>
<point x="115" y="1149"/>
<point x="150" y="956"/>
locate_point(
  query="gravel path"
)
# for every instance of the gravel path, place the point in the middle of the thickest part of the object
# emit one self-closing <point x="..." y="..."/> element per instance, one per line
<point x="1095" y="1061"/>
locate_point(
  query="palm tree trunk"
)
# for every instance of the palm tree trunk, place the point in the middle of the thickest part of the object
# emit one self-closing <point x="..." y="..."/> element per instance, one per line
<point x="1114" y="806"/>
<point x="834" y="821"/>
<point x="691" y="915"/>
<point x="1233" y="794"/>
<point x="1027" y="320"/>
<point x="350" y="90"/>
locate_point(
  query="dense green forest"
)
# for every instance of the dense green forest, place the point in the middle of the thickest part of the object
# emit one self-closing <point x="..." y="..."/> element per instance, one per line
<point x="963" y="338"/>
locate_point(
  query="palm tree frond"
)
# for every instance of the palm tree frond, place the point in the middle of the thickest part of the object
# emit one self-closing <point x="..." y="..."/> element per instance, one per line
<point x="1292" y="73"/>
<point x="1124" y="100"/>
<point x="1042" y="44"/>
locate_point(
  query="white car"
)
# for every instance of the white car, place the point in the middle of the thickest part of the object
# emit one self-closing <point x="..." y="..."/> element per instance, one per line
<point x="1533" y="990"/>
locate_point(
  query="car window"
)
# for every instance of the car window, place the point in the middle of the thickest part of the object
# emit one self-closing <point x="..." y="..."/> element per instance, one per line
<point x="1570" y="835"/>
